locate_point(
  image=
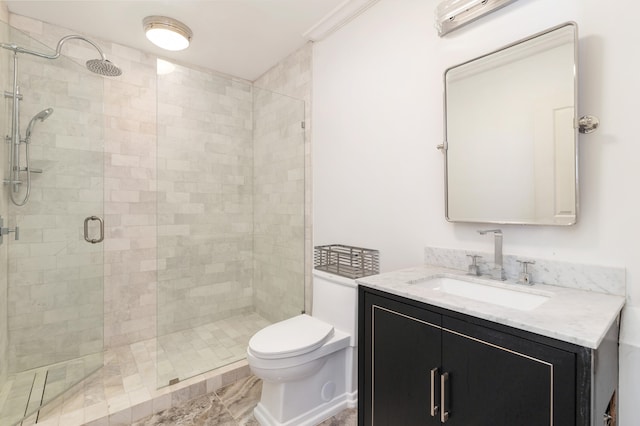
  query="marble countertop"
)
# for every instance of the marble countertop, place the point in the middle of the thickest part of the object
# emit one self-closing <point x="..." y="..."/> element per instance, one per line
<point x="571" y="315"/>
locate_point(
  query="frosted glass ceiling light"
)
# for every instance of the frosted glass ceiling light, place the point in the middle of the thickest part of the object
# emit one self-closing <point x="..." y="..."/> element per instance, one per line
<point x="167" y="33"/>
<point x="452" y="14"/>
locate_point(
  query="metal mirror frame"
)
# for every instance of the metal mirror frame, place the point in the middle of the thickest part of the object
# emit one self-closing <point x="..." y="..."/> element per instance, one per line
<point x="444" y="146"/>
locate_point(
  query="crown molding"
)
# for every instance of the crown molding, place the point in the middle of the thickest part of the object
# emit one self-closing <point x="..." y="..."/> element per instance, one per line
<point x="338" y="17"/>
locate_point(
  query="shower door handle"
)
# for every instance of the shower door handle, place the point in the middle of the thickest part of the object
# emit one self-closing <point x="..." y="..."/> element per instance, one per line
<point x="86" y="230"/>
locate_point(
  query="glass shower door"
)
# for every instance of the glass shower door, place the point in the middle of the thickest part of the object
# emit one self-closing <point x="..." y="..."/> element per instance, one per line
<point x="56" y="264"/>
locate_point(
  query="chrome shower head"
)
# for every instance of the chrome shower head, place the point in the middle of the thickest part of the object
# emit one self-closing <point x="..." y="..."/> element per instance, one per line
<point x="42" y="115"/>
<point x="103" y="67"/>
<point x="100" y="66"/>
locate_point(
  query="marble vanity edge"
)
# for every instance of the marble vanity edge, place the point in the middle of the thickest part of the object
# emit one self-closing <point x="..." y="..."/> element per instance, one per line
<point x="601" y="279"/>
<point x="573" y="315"/>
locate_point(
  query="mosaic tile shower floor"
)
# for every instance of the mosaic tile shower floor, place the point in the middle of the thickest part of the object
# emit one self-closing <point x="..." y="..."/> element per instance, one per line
<point x="125" y="390"/>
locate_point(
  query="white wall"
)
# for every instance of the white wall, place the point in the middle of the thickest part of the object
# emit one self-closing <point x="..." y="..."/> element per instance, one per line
<point x="377" y="112"/>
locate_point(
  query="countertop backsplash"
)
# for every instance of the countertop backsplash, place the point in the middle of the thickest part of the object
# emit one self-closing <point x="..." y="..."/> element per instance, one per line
<point x="602" y="279"/>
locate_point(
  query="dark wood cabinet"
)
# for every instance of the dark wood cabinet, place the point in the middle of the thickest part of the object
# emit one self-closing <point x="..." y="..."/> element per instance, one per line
<point x="498" y="379"/>
<point x="416" y="360"/>
<point x="403" y="350"/>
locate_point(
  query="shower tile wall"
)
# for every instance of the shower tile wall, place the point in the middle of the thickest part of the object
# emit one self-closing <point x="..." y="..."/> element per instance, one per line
<point x="292" y="77"/>
<point x="130" y="198"/>
<point x="278" y="205"/>
<point x="205" y="212"/>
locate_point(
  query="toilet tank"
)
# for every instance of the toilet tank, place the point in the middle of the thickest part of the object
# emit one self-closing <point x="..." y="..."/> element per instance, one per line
<point x="335" y="301"/>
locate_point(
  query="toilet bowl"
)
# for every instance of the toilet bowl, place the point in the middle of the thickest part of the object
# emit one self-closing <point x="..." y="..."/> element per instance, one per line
<point x="308" y="363"/>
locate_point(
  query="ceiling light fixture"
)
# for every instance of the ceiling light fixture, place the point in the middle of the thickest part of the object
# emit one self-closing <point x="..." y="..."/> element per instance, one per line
<point x="167" y="33"/>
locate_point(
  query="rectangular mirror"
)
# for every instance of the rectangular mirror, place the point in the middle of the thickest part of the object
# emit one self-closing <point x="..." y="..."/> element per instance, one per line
<point x="510" y="133"/>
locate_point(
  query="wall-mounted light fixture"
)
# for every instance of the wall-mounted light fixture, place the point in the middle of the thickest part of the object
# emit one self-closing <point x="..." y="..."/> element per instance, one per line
<point x="167" y="33"/>
<point x="452" y="14"/>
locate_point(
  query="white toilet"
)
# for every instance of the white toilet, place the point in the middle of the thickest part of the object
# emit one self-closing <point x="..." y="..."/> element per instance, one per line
<point x="308" y="363"/>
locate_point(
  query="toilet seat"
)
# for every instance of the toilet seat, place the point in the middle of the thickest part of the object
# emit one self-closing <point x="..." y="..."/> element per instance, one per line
<point x="290" y="338"/>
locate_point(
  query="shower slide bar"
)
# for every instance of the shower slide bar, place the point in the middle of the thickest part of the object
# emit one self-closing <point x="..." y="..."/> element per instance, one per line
<point x="101" y="66"/>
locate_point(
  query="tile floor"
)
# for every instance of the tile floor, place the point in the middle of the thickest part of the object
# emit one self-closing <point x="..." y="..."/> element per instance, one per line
<point x="24" y="393"/>
<point x="125" y="390"/>
<point x="231" y="405"/>
<point x="185" y="354"/>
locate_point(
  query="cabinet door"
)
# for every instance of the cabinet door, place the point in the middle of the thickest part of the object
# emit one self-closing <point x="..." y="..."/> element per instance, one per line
<point x="500" y="379"/>
<point x="402" y="346"/>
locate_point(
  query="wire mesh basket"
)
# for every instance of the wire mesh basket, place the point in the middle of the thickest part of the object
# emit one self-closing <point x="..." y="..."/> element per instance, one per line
<point x="347" y="261"/>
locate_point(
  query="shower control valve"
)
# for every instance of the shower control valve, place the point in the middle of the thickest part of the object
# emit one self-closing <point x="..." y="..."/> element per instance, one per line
<point x="6" y="231"/>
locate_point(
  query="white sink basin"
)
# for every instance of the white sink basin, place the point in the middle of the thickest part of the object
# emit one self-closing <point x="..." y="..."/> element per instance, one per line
<point x="489" y="293"/>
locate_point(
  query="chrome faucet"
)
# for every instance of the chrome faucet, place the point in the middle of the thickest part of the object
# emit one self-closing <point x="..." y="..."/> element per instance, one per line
<point x="498" y="270"/>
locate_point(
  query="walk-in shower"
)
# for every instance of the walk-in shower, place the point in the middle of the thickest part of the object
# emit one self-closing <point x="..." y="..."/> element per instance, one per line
<point x="200" y="178"/>
<point x="100" y="66"/>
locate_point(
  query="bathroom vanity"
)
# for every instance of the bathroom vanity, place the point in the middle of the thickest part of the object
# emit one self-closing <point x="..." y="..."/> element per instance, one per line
<point x="437" y="346"/>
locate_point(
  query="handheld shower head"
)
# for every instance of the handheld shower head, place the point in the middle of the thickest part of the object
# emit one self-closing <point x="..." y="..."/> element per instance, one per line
<point x="42" y="115"/>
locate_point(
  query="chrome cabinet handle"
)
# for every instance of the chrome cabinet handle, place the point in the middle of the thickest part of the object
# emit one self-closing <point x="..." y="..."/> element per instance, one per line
<point x="444" y="414"/>
<point x="434" y="407"/>
<point x="86" y="230"/>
